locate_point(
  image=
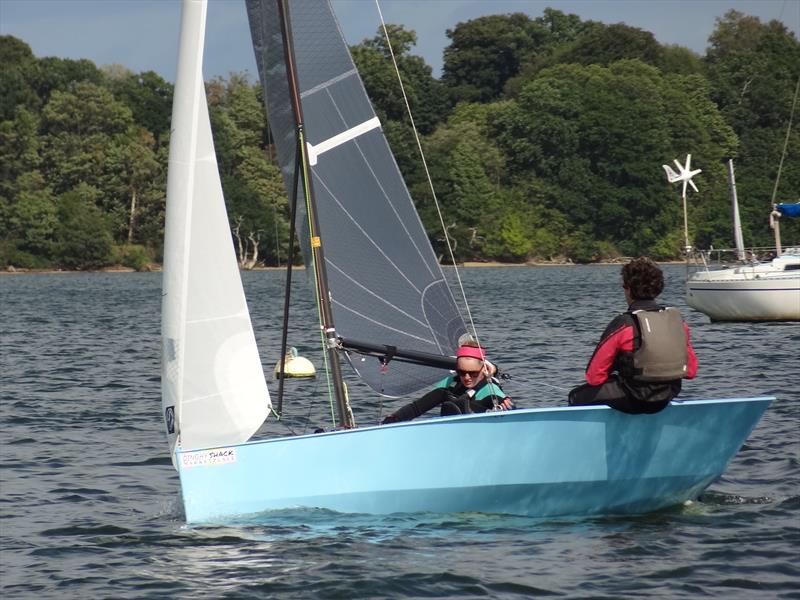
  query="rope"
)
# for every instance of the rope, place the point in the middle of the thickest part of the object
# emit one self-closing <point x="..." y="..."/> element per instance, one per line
<point x="427" y="173"/>
<point x="785" y="141"/>
<point x="555" y="387"/>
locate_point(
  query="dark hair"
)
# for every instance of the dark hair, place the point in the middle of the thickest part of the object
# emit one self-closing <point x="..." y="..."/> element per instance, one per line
<point x="643" y="278"/>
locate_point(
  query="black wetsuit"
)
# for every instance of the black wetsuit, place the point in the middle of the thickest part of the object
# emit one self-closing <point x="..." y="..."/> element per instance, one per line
<point x="452" y="396"/>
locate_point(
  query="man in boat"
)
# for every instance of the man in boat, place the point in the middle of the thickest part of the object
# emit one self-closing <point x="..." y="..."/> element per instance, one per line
<point x="643" y="354"/>
<point x="471" y="390"/>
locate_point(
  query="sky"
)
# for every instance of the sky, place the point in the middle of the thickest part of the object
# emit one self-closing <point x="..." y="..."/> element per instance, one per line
<point x="142" y="35"/>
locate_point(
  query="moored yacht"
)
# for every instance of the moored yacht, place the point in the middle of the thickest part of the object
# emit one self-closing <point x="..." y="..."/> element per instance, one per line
<point x="763" y="291"/>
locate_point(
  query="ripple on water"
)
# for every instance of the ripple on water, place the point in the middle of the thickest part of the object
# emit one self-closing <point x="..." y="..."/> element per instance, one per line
<point x="90" y="503"/>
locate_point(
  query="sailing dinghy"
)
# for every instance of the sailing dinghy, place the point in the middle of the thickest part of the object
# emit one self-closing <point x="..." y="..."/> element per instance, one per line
<point x="376" y="279"/>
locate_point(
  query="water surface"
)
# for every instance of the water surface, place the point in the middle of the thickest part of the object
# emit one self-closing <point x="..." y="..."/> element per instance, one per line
<point x="89" y="502"/>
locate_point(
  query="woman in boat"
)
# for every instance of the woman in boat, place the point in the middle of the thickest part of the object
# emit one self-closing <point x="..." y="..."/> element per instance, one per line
<point x="471" y="390"/>
<point x="643" y="354"/>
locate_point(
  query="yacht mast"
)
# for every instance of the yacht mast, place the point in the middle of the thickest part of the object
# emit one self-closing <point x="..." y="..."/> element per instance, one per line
<point x="737" y="222"/>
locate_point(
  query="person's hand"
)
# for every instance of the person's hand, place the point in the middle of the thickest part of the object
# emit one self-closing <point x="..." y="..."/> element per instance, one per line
<point x="506" y="404"/>
<point x="389" y="419"/>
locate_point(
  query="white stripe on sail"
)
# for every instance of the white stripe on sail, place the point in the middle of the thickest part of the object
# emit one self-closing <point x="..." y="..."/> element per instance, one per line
<point x="389" y="200"/>
<point x="326" y="84"/>
<point x="341" y="138"/>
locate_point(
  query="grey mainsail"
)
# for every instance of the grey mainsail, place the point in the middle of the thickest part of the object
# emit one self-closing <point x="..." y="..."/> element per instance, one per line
<point x="385" y="284"/>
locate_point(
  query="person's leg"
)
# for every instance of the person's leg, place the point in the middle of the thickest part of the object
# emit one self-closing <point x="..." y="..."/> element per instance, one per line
<point x="450" y="408"/>
<point x="613" y="394"/>
<point x="585" y="395"/>
<point x="460" y="405"/>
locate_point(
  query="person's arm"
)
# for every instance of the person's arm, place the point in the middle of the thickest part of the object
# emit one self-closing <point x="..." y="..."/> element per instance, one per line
<point x="414" y="409"/>
<point x="619" y="339"/>
<point x="491" y="368"/>
<point x="691" y="367"/>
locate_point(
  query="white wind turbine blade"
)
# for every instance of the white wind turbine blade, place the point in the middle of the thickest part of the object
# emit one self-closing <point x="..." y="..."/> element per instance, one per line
<point x="672" y="176"/>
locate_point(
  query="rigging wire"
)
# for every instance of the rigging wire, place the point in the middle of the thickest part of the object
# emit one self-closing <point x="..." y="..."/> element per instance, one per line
<point x="785" y="141"/>
<point x="473" y="329"/>
<point x="427" y="174"/>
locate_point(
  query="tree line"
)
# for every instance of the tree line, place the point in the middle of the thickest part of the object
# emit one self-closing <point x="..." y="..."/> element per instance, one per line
<point x="544" y="139"/>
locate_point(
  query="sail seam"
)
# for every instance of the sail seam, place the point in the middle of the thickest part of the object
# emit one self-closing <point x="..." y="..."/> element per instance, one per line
<point x="366" y="235"/>
<point x="384" y="325"/>
<point x="238" y="315"/>
<point x="383" y="190"/>
<point x="214" y="395"/>
<point x="366" y="289"/>
<point x="328" y="83"/>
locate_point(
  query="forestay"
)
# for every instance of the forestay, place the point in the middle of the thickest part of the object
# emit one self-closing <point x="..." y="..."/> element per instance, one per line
<point x="385" y="283"/>
<point x="213" y="387"/>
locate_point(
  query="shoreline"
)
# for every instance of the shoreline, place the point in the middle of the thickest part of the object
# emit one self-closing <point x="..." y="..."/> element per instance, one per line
<point x="467" y="264"/>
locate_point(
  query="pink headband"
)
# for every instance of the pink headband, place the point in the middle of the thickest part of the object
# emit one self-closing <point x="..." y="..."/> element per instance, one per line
<point x="470" y="352"/>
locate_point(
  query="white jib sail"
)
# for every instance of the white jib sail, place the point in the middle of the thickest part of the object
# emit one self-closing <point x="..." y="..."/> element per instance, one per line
<point x="213" y="387"/>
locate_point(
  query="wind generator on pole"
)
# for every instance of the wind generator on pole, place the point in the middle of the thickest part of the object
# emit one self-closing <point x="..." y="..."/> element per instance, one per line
<point x="685" y="175"/>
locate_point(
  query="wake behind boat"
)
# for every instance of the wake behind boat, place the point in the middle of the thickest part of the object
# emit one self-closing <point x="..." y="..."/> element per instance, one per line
<point x="376" y="278"/>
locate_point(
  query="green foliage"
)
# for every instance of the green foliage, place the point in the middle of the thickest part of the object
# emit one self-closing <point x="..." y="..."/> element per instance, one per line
<point x="63" y="73"/>
<point x="544" y="139"/>
<point x="19" y="65"/>
<point x="32" y="216"/>
<point x="427" y="97"/>
<point x="77" y="129"/>
<point x="82" y="239"/>
<point x="753" y="74"/>
<point x="486" y="52"/>
<point x="252" y="185"/>
<point x="680" y="60"/>
<point x="149" y="99"/>
<point x="133" y="256"/>
<point x="606" y="45"/>
<point x="598" y="134"/>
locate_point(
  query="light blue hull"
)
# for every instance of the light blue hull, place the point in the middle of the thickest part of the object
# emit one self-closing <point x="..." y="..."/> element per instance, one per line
<point x="536" y="462"/>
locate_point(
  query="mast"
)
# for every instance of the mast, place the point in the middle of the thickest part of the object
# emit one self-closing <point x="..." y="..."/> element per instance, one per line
<point x="320" y="272"/>
<point x="737" y="222"/>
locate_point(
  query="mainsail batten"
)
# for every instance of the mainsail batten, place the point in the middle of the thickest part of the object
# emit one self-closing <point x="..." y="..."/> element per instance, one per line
<point x="385" y="282"/>
<point x="350" y="134"/>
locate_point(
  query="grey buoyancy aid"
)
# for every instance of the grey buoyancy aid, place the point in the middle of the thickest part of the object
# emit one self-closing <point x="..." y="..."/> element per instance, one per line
<point x="662" y="354"/>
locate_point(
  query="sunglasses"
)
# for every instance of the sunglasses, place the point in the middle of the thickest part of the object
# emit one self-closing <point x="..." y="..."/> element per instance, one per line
<point x="473" y="374"/>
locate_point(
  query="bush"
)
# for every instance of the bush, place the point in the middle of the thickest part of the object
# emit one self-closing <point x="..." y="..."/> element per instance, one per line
<point x="21" y="259"/>
<point x="83" y="237"/>
<point x="134" y="257"/>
